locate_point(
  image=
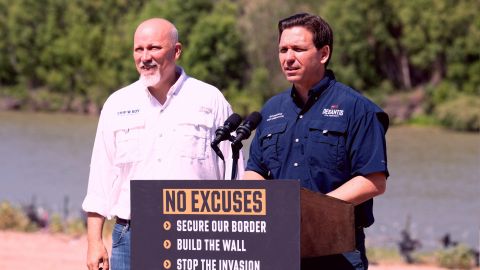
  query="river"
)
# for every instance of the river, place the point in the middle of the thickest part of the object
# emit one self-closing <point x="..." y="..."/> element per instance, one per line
<point x="433" y="189"/>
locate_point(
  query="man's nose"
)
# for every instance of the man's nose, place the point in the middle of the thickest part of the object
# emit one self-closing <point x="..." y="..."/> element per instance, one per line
<point x="146" y="56"/>
<point x="290" y="56"/>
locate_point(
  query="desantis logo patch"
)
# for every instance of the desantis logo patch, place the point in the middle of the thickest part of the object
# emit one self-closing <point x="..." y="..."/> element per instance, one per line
<point x="333" y="111"/>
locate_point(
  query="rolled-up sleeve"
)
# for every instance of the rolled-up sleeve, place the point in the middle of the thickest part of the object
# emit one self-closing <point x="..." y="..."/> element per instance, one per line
<point x="102" y="171"/>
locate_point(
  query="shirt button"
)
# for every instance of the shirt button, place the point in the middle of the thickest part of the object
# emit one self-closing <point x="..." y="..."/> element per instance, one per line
<point x="295" y="164"/>
<point x="300" y="116"/>
<point x="297" y="140"/>
<point x="159" y="160"/>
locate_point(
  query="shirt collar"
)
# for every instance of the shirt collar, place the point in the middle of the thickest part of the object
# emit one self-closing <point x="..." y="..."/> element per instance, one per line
<point x="175" y="88"/>
<point x="313" y="93"/>
<point x="318" y="88"/>
<point x="178" y="84"/>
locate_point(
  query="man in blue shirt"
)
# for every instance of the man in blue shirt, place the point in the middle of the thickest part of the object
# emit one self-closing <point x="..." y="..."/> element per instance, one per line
<point x="321" y="132"/>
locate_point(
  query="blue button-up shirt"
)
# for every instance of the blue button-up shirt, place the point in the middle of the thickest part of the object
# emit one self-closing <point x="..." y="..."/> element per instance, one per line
<point x="336" y="135"/>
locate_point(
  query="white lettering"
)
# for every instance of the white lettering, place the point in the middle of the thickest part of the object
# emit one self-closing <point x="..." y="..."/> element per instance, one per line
<point x="239" y="265"/>
<point x="249" y="226"/>
<point x="193" y="225"/>
<point x="187" y="264"/>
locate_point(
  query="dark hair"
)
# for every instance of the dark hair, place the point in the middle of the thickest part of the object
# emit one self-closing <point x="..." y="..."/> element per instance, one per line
<point x="321" y="31"/>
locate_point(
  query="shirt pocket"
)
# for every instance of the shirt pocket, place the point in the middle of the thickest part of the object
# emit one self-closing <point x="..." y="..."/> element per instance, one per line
<point x="326" y="144"/>
<point x="271" y="146"/>
<point x="128" y="137"/>
<point x="193" y="138"/>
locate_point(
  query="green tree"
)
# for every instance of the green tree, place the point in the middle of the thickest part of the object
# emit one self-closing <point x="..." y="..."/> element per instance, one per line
<point x="215" y="50"/>
<point x="73" y="48"/>
<point x="183" y="13"/>
<point x="258" y="25"/>
<point x="408" y="43"/>
<point x="19" y="31"/>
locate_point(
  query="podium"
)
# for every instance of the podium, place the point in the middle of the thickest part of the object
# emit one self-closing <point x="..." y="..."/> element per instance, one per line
<point x="210" y="224"/>
<point x="327" y="225"/>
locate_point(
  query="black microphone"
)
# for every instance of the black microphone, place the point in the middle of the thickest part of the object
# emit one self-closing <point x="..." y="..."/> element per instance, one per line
<point x="223" y="132"/>
<point x="246" y="128"/>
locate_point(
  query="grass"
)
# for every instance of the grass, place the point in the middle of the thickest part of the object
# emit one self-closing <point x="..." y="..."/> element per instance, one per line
<point x="456" y="257"/>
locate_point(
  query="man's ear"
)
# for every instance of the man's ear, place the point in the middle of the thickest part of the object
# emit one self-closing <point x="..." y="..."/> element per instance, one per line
<point x="325" y="54"/>
<point x="178" y="50"/>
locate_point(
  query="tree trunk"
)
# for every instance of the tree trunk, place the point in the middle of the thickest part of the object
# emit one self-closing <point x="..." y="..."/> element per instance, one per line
<point x="405" y="69"/>
<point x="438" y="71"/>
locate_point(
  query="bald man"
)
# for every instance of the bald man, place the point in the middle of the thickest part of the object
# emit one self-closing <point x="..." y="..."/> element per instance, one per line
<point x="159" y="127"/>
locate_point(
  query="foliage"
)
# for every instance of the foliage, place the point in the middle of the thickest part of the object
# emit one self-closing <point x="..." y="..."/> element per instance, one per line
<point x="17" y="219"/>
<point x="55" y="54"/>
<point x="258" y="24"/>
<point x="13" y="218"/>
<point x="17" y="92"/>
<point x="408" y="43"/>
<point x="184" y="14"/>
<point x="68" y="47"/>
<point x="214" y="37"/>
<point x="423" y="120"/>
<point x="56" y="224"/>
<point x="442" y="93"/>
<point x="458" y="257"/>
<point x="376" y="255"/>
<point x="461" y="113"/>
<point x="75" y="227"/>
<point x="46" y="100"/>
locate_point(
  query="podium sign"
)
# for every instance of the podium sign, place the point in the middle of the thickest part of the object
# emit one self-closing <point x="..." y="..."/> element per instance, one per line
<point x="215" y="225"/>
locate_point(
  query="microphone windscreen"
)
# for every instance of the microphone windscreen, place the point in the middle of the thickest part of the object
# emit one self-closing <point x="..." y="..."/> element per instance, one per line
<point x="233" y="121"/>
<point x="253" y="119"/>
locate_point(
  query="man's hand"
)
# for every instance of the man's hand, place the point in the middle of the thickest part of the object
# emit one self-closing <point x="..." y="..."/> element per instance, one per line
<point x="97" y="256"/>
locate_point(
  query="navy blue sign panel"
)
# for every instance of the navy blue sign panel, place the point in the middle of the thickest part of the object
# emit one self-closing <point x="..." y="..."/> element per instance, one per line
<point x="215" y="225"/>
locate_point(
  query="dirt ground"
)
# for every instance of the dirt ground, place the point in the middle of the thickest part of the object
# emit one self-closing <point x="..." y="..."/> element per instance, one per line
<point x="44" y="251"/>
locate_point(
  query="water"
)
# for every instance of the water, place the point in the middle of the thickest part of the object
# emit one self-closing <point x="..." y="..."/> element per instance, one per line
<point x="433" y="189"/>
<point x="44" y="159"/>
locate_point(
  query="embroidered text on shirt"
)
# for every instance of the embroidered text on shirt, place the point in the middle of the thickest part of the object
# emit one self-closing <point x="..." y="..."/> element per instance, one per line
<point x="333" y="111"/>
<point x="275" y="116"/>
<point x="128" y="112"/>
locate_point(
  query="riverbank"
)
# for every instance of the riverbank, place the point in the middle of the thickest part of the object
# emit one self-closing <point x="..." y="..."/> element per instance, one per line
<point x="402" y="108"/>
<point x="46" y="251"/>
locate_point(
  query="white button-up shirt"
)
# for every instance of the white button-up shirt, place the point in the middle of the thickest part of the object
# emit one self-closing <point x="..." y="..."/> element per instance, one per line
<point x="139" y="138"/>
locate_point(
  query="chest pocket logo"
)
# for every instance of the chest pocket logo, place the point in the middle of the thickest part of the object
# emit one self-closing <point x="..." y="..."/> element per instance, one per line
<point x="271" y="148"/>
<point x="326" y="144"/>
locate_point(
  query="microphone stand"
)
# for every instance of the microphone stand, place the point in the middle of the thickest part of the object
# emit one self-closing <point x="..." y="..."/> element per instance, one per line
<point x="220" y="155"/>
<point x="235" y="156"/>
